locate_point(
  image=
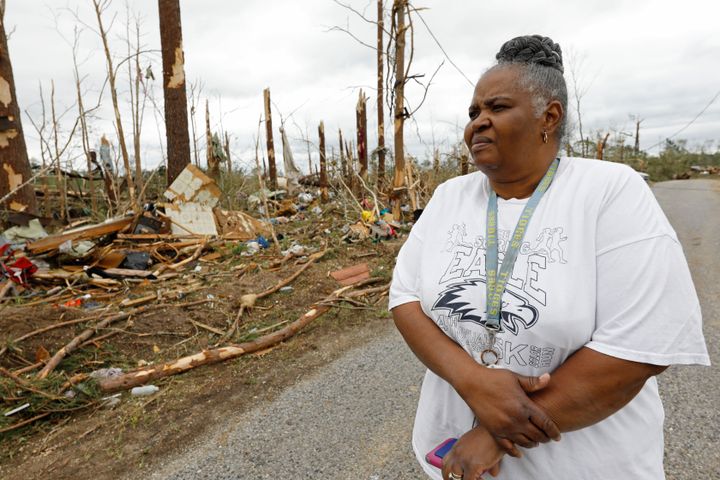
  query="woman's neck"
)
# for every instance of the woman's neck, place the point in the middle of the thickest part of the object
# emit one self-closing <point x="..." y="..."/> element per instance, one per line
<point x="519" y="187"/>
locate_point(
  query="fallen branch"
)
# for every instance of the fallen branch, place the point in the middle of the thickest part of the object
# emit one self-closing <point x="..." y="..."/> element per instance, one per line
<point x="209" y="357"/>
<point x="26" y="386"/>
<point x="182" y="263"/>
<point x="47" y="329"/>
<point x="86" y="334"/>
<point x="24" y="422"/>
<point x="248" y="300"/>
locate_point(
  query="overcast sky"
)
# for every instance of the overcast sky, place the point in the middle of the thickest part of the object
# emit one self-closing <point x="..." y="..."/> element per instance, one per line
<point x="657" y="59"/>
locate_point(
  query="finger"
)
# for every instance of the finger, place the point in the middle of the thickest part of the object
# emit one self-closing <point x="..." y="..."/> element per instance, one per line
<point x="533" y="384"/>
<point x="542" y="421"/>
<point x="523" y="441"/>
<point x="494" y="470"/>
<point x="535" y="434"/>
<point x="449" y="465"/>
<point x="509" y="447"/>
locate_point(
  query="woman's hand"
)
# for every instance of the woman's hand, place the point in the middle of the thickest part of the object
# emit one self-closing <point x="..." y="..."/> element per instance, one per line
<point x="473" y="454"/>
<point x="499" y="400"/>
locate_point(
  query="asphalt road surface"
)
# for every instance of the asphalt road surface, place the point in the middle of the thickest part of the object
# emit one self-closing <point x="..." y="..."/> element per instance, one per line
<point x="352" y="419"/>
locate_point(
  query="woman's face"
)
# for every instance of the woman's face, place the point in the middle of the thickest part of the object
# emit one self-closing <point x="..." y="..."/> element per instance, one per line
<point x="503" y="133"/>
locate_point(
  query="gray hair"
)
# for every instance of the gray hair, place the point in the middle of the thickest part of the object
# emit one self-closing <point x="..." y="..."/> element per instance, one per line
<point x="539" y="63"/>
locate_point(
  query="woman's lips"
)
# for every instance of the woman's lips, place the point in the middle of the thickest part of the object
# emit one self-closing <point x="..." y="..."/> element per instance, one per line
<point x="479" y="145"/>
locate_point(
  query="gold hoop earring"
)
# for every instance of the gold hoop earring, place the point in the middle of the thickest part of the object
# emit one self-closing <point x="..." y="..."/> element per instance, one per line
<point x="544" y="136"/>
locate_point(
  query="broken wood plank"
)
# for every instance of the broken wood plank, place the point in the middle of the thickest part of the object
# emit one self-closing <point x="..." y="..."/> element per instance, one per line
<point x="350" y="275"/>
<point x="53" y="242"/>
<point x="134" y="302"/>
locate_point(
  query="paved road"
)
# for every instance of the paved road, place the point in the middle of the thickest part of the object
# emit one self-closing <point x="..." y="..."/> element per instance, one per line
<point x="352" y="420"/>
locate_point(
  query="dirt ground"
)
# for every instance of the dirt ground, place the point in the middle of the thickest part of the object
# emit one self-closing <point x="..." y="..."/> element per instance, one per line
<point x="107" y="442"/>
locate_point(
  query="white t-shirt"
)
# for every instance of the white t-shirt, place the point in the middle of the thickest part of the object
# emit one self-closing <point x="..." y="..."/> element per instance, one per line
<point x="600" y="267"/>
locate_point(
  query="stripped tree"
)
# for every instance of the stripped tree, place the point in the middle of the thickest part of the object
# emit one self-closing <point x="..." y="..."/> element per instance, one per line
<point x="361" y="123"/>
<point x="100" y="6"/>
<point x="323" y="165"/>
<point x="176" y="117"/>
<point x="15" y="172"/>
<point x="399" y="7"/>
<point x="380" y="111"/>
<point x="272" y="171"/>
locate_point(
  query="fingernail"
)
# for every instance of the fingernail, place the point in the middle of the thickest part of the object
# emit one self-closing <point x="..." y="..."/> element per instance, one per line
<point x="545" y="376"/>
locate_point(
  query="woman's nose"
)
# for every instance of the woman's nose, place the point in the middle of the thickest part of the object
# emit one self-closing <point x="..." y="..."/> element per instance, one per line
<point x="480" y="122"/>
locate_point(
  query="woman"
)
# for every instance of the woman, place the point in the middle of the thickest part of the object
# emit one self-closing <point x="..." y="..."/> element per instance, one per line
<point x="591" y="286"/>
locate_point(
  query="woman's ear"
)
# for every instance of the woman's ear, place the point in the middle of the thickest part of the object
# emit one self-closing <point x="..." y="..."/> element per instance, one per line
<point x="553" y="117"/>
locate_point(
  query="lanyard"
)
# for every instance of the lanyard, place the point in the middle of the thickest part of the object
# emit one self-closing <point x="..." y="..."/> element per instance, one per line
<point x="496" y="282"/>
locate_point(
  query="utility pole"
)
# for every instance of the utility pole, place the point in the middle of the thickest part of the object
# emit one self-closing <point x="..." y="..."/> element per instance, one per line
<point x="176" y="117"/>
<point x="380" y="111"/>
<point x="272" y="171"/>
<point x="399" y="7"/>
<point x="15" y="169"/>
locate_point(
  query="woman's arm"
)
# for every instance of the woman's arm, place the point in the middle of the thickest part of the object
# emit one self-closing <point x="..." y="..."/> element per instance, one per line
<point x="496" y="396"/>
<point x="590" y="386"/>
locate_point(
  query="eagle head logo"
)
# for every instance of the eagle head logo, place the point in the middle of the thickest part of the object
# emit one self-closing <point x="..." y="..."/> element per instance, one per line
<point x="460" y="301"/>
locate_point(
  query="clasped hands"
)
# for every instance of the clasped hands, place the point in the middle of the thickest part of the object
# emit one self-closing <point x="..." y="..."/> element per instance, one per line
<point x="506" y="416"/>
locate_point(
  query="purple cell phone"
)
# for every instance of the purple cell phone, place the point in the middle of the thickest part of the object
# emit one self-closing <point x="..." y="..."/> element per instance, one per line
<point x="435" y="456"/>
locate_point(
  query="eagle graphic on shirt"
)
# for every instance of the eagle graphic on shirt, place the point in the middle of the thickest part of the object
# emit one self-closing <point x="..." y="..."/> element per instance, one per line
<point x="464" y="280"/>
<point x="459" y="300"/>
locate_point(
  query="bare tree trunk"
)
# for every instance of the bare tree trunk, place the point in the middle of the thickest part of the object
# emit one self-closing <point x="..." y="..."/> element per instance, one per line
<point x="351" y="166"/>
<point x="269" y="137"/>
<point x="116" y="106"/>
<point x="61" y="184"/>
<point x="176" y="121"/>
<point x="84" y="132"/>
<point x="15" y="169"/>
<point x="323" y="165"/>
<point x="213" y="163"/>
<point x="601" y="146"/>
<point x="380" y="111"/>
<point x="135" y="107"/>
<point x="343" y="161"/>
<point x="226" y="147"/>
<point x="361" y="122"/>
<point x="637" y="136"/>
<point x="399" y="7"/>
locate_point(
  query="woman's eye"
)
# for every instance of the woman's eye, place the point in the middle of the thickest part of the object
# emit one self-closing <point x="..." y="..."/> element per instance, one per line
<point x="473" y="114"/>
<point x="497" y="108"/>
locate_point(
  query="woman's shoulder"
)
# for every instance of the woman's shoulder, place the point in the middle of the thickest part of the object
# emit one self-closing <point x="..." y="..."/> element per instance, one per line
<point x="589" y="166"/>
<point x="461" y="183"/>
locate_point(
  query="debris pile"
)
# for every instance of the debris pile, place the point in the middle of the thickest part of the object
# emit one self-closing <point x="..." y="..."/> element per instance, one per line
<point x="96" y="281"/>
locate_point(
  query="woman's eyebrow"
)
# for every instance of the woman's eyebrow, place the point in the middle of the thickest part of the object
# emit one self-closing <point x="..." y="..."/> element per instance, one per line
<point x="491" y="100"/>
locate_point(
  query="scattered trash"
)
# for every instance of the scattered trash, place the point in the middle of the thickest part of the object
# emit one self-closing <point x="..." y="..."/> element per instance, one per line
<point x="143" y="391"/>
<point x="137" y="261"/>
<point x="316" y="210"/>
<point x="18" y="409"/>
<point x="106" y="373"/>
<point x="305" y="198"/>
<point x="262" y="241"/>
<point x="33" y="231"/>
<point x="111" y="400"/>
<point x="286" y="289"/>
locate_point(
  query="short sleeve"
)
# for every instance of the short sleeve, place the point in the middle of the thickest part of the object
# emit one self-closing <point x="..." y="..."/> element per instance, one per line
<point x="647" y="308"/>
<point x="629" y="212"/>
<point x="405" y="286"/>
